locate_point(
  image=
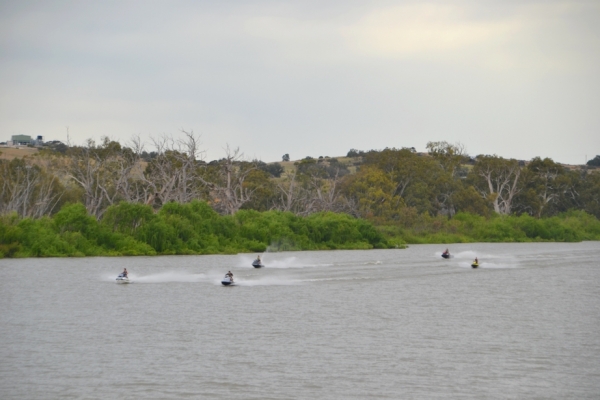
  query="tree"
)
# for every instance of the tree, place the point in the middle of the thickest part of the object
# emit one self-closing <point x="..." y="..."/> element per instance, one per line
<point x="590" y="193"/>
<point x="101" y="171"/>
<point x="288" y="191"/>
<point x="449" y="156"/>
<point x="263" y="191"/>
<point x="353" y="153"/>
<point x="594" y="162"/>
<point x="226" y="183"/>
<point x="414" y="175"/>
<point x="274" y="169"/>
<point x="28" y="189"/>
<point x="497" y="179"/>
<point x="318" y="182"/>
<point x="542" y="186"/>
<point x="174" y="173"/>
<point x="468" y="199"/>
<point x="371" y="193"/>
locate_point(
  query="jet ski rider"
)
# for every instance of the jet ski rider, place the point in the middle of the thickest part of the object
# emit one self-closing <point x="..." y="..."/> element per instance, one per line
<point x="125" y="273"/>
<point x="229" y="274"/>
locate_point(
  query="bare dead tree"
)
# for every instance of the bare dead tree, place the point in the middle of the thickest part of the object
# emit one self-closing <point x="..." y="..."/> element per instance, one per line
<point x="288" y="191"/>
<point x="174" y="175"/>
<point x="227" y="188"/>
<point x="322" y="193"/>
<point x="27" y="189"/>
<point x="103" y="172"/>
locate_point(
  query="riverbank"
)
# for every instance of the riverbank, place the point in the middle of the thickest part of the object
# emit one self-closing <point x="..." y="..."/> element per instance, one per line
<point x="186" y="229"/>
<point x="573" y="226"/>
<point x="134" y="230"/>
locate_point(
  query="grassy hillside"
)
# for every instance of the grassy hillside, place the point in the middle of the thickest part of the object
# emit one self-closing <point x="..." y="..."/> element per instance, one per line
<point x="8" y="153"/>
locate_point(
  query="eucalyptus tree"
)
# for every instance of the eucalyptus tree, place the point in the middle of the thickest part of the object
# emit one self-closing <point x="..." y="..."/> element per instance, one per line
<point x="28" y="189"/>
<point x="263" y="189"/>
<point x="399" y="164"/>
<point x="288" y="191"/>
<point x="468" y="199"/>
<point x="101" y="171"/>
<point x="225" y="181"/>
<point x="579" y="189"/>
<point x="450" y="157"/>
<point x="543" y="185"/>
<point x="174" y="173"/>
<point x="497" y="179"/>
<point x="319" y="185"/>
<point x="416" y="177"/>
<point x="372" y="194"/>
<point x="590" y="192"/>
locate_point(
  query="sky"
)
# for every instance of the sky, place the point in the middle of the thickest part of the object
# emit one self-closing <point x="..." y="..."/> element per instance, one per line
<point x="519" y="79"/>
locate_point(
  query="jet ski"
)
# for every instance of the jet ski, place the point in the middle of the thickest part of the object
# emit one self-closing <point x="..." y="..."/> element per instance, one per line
<point x="446" y="255"/>
<point x="475" y="264"/>
<point x="257" y="263"/>
<point x="123" y="279"/>
<point x="227" y="281"/>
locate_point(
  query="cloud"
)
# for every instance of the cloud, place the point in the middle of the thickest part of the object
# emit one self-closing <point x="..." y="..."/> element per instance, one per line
<point x="524" y="36"/>
<point x="277" y="77"/>
<point x="419" y="29"/>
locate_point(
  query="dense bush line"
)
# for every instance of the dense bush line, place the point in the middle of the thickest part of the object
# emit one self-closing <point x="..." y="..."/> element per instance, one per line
<point x="195" y="228"/>
<point x="192" y="228"/>
<point x="572" y="226"/>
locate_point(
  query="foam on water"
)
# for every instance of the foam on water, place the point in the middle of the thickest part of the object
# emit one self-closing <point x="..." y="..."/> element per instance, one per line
<point x="266" y="281"/>
<point x="488" y="265"/>
<point x="168" y="277"/>
<point x="362" y="278"/>
<point x="497" y="265"/>
<point x="471" y="255"/>
<point x="288" y="262"/>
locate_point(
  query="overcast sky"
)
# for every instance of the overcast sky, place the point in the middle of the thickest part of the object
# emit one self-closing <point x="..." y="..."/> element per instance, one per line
<point x="518" y="79"/>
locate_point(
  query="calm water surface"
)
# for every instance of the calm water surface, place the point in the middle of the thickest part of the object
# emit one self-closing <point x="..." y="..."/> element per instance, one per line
<point x="382" y="324"/>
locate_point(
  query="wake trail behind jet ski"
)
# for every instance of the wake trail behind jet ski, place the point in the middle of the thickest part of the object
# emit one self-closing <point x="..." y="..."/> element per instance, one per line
<point x="487" y="265"/>
<point x="170" y="276"/>
<point x="289" y="262"/>
<point x="266" y="281"/>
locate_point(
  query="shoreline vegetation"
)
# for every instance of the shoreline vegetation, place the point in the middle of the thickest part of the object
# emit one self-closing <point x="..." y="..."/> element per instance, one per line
<point x="195" y="228"/>
<point x="130" y="229"/>
<point x="108" y="199"/>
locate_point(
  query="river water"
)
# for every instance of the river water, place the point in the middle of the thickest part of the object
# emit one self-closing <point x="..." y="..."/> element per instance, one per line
<point x="379" y="324"/>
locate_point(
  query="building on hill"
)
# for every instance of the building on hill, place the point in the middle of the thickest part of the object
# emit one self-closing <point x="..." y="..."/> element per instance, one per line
<point x="24" y="140"/>
<point x="17" y="140"/>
